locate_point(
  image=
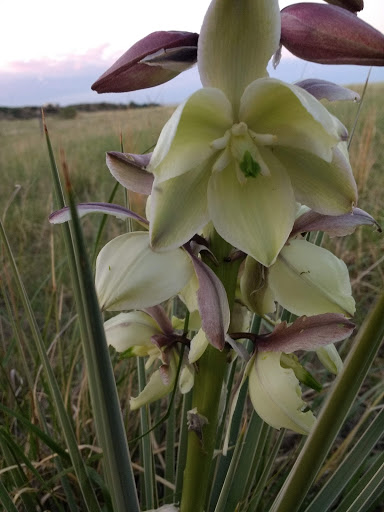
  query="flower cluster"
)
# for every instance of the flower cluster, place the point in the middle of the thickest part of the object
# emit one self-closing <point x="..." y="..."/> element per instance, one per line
<point x="238" y="158"/>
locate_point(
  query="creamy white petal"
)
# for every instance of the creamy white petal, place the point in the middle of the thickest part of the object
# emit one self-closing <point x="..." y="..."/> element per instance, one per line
<point x="309" y="280"/>
<point x="255" y="292"/>
<point x="198" y="345"/>
<point x="257" y="216"/>
<point x="156" y="388"/>
<point x="131" y="331"/>
<point x="276" y="395"/>
<point x="189" y="294"/>
<point x="179" y="207"/>
<point x="187" y="379"/>
<point x="130" y="275"/>
<point x="327" y="188"/>
<point x="185" y="141"/>
<point x="295" y="117"/>
<point x="330" y="358"/>
<point x="236" y="41"/>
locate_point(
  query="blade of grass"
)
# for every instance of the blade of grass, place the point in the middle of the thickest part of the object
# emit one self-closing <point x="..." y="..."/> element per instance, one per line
<point x="146" y="447"/>
<point x="14" y="457"/>
<point x="350" y="466"/>
<point x="65" y="422"/>
<point x="233" y="489"/>
<point x="6" y="499"/>
<point x="370" y="492"/>
<point x="102" y="385"/>
<point x="257" y="493"/>
<point x="225" y="493"/>
<point x="182" y="450"/>
<point x="170" y="454"/>
<point x="362" y="484"/>
<point x="334" y="412"/>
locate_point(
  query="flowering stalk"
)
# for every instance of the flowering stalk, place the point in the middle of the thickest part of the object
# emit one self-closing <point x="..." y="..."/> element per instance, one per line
<point x="206" y="394"/>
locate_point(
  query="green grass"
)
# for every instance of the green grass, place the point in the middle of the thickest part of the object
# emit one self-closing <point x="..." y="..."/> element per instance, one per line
<point x="25" y="203"/>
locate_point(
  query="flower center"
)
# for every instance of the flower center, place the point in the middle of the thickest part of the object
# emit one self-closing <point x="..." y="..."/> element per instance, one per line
<point x="241" y="144"/>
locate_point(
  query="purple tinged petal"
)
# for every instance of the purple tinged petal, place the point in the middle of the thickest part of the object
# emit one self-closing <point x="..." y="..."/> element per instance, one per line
<point x="334" y="225"/>
<point x="160" y="316"/>
<point x="130" y="171"/>
<point x="153" y="60"/>
<point x="213" y="304"/>
<point x="322" y="89"/>
<point x="330" y="35"/>
<point x="351" y="5"/>
<point x="306" y="333"/>
<point x="64" y="215"/>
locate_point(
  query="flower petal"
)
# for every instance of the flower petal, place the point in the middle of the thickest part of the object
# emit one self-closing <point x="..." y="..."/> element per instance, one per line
<point x="330" y="35"/>
<point x="327" y="188"/>
<point x="130" y="171"/>
<point x="236" y="41"/>
<point x="334" y="225"/>
<point x="129" y="275"/>
<point x="255" y="292"/>
<point x="276" y="395"/>
<point x="213" y="304"/>
<point x="64" y="215"/>
<point x="257" y="216"/>
<point x="156" y="388"/>
<point x="351" y="5"/>
<point x="309" y="280"/>
<point x="159" y="315"/>
<point x="185" y="141"/>
<point x="290" y="113"/>
<point x="131" y="332"/>
<point x="149" y="62"/>
<point x="187" y="379"/>
<point x="306" y="333"/>
<point x="322" y="89"/>
<point x="179" y="208"/>
<point x="198" y="345"/>
<point x="330" y="358"/>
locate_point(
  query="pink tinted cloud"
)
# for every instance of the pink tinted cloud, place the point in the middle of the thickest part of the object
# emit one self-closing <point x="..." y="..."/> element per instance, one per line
<point x="93" y="57"/>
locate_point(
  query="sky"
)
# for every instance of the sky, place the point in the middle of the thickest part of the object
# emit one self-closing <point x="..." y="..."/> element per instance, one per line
<point x="52" y="53"/>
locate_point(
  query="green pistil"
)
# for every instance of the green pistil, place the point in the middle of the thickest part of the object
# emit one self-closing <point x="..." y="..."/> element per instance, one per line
<point x="249" y="166"/>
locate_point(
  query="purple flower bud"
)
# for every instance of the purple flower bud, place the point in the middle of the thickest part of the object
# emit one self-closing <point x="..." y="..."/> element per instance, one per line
<point x="330" y="35"/>
<point x="153" y="60"/>
<point x="351" y="5"/>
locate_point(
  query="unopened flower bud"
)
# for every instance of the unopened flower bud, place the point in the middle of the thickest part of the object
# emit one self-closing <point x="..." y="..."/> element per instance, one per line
<point x="351" y="5"/>
<point x="153" y="60"/>
<point x="328" y="34"/>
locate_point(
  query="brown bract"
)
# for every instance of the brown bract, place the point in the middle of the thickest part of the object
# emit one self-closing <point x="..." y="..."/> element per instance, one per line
<point x="328" y="34"/>
<point x="153" y="60"/>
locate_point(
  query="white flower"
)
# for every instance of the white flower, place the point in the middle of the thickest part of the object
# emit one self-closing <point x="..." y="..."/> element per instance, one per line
<point x="243" y="149"/>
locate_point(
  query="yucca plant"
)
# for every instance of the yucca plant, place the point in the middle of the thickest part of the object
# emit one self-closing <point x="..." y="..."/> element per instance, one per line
<point x="217" y="287"/>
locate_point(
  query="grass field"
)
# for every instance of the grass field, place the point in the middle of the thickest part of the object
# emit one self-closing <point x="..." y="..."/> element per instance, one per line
<point x="25" y="203"/>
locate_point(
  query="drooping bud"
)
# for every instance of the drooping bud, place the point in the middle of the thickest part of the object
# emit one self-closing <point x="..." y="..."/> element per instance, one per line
<point x="328" y="34"/>
<point x="153" y="60"/>
<point x="351" y="5"/>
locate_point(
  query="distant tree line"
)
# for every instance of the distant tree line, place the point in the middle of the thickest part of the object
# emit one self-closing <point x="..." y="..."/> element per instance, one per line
<point x="68" y="112"/>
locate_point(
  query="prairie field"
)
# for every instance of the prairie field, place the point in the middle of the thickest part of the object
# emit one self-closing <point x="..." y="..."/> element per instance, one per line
<point x="26" y="200"/>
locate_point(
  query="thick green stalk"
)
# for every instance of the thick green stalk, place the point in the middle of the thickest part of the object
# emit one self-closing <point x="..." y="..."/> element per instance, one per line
<point x="207" y="393"/>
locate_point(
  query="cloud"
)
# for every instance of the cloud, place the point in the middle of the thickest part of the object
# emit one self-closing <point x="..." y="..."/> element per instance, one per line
<point x="67" y="80"/>
<point x="100" y="56"/>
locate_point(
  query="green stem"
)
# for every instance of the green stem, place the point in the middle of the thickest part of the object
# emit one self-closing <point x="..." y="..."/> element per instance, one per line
<point x="207" y="393"/>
